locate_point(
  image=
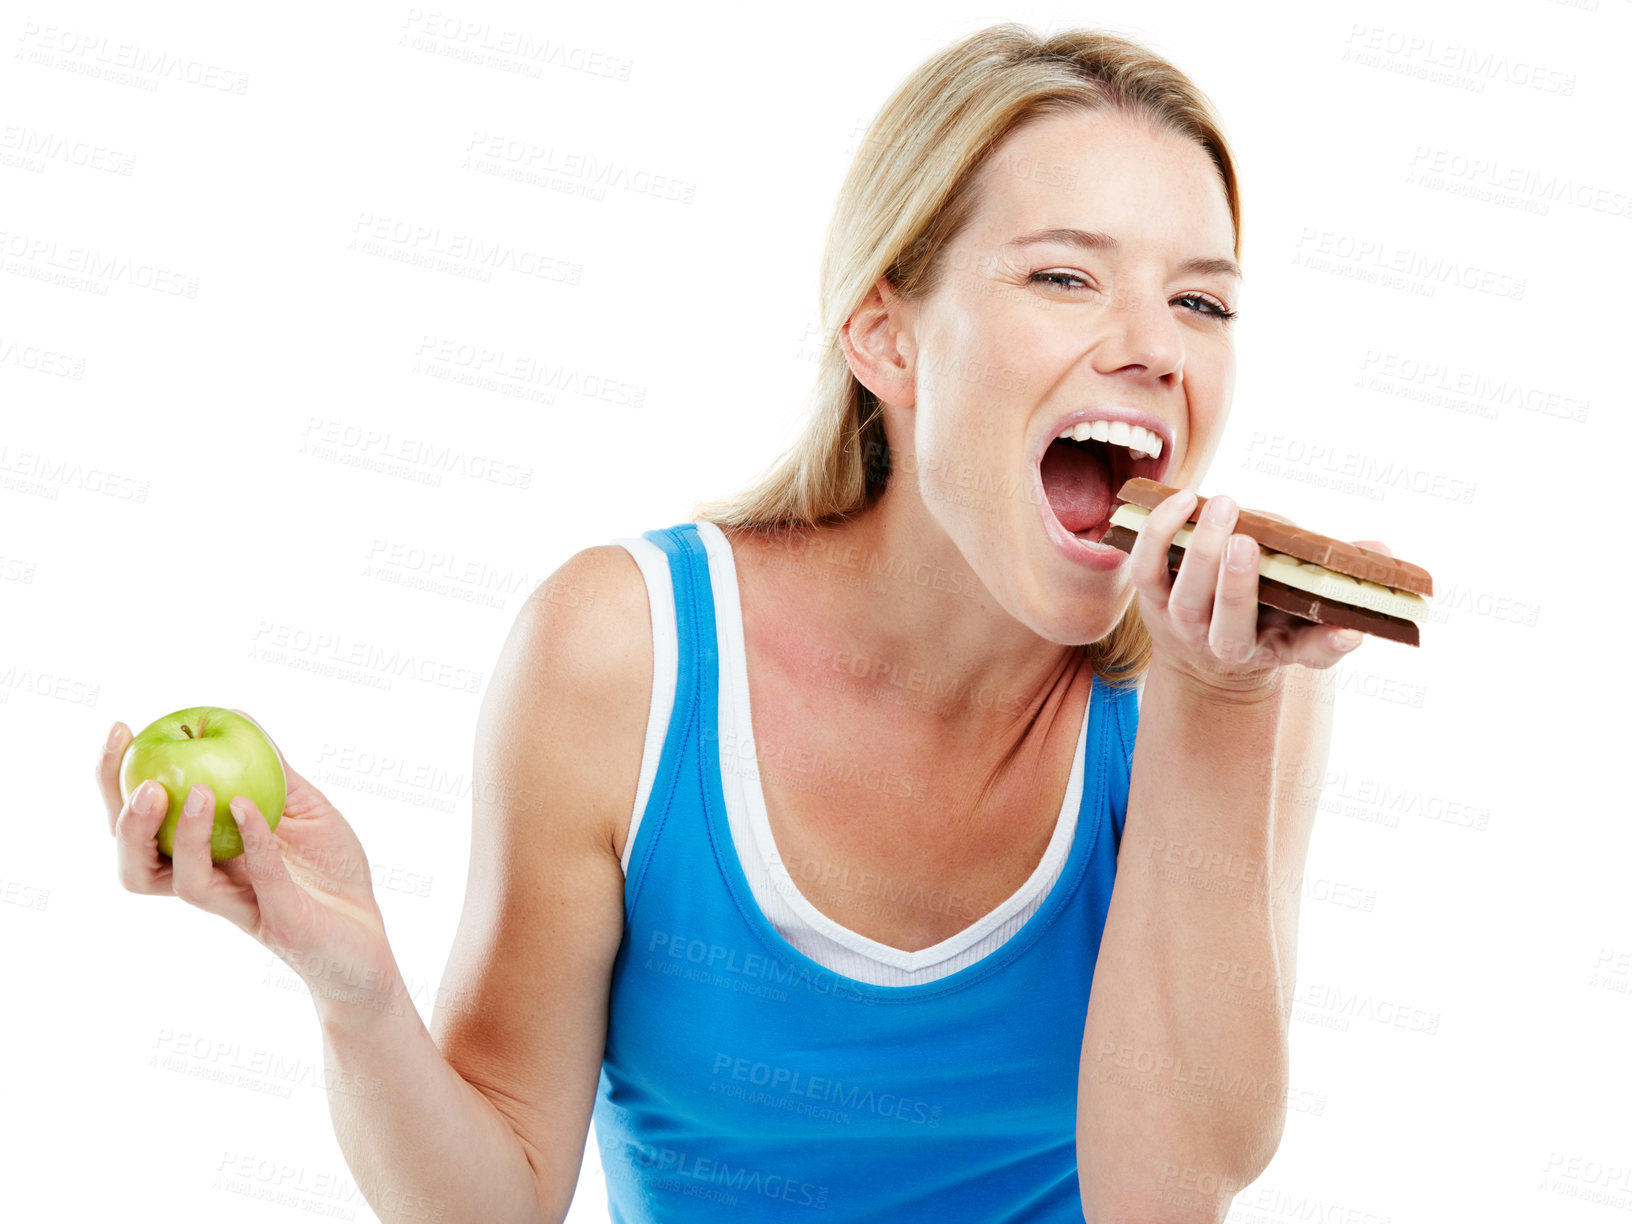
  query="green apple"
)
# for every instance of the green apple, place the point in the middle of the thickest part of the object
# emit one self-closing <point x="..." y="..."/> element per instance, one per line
<point x="207" y="745"/>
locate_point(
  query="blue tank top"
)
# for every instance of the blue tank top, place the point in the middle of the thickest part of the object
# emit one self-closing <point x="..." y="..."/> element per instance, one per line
<point x="742" y="1077"/>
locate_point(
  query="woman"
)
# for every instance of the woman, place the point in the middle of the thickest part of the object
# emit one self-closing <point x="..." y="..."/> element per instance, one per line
<point x="832" y="949"/>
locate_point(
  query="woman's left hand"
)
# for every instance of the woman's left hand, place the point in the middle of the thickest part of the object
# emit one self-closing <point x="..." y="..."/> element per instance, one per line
<point x="1204" y="621"/>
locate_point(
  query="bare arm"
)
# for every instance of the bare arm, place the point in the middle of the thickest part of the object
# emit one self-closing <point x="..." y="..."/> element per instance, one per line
<point x="1299" y="771"/>
<point x="489" y="1118"/>
<point x="386" y="1080"/>
<point x="1180" y="1094"/>
<point x="1182" y="1081"/>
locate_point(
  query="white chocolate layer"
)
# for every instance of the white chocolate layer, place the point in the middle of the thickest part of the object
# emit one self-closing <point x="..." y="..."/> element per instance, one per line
<point x="1305" y="575"/>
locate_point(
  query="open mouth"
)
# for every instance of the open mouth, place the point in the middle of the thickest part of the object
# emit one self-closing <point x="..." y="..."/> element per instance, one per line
<point x="1080" y="479"/>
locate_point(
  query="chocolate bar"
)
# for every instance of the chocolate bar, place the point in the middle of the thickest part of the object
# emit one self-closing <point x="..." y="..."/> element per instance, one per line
<point x="1334" y="555"/>
<point x="1300" y="572"/>
<point x="1273" y="594"/>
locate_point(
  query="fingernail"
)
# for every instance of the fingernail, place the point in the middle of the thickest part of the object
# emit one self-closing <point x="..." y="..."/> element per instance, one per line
<point x="1345" y="639"/>
<point x="239" y="807"/>
<point x="1219" y="509"/>
<point x="195" y="802"/>
<point x="142" y="801"/>
<point x="113" y="736"/>
<point x="1243" y="551"/>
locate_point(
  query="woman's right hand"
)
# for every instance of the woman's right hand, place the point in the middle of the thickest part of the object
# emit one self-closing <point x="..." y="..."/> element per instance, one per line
<point x="304" y="891"/>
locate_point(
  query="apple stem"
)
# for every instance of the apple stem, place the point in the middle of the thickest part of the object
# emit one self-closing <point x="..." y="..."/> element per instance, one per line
<point x="189" y="731"/>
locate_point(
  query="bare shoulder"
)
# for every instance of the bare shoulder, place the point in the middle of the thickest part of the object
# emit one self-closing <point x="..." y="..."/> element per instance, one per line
<point x="586" y="639"/>
<point x="591" y="620"/>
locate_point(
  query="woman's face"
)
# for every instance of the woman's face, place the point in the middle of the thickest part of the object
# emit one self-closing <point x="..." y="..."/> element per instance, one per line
<point x="1021" y="339"/>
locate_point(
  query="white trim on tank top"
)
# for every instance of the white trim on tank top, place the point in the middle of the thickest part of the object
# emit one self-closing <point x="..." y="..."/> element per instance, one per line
<point x="790" y="913"/>
<point x="654" y="568"/>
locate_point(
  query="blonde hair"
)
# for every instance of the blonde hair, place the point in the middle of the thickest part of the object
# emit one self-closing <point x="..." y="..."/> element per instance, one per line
<point x="909" y="193"/>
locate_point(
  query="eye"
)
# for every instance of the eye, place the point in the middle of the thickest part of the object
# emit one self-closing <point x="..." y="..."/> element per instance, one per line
<point x="1216" y="309"/>
<point x="1058" y="279"/>
<point x="1201" y="304"/>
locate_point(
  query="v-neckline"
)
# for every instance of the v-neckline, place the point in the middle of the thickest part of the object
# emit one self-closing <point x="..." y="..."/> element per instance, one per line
<point x="736" y="714"/>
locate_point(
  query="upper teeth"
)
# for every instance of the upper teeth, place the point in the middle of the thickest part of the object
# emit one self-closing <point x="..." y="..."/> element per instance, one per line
<point x="1142" y="442"/>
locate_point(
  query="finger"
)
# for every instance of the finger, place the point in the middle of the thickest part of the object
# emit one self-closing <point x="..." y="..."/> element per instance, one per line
<point x="1319" y="646"/>
<point x="1196" y="586"/>
<point x="199" y="881"/>
<point x="276" y="895"/>
<point x="107" y="772"/>
<point x="1233" y="631"/>
<point x="141" y="868"/>
<point x="191" y="863"/>
<point x="1147" y="563"/>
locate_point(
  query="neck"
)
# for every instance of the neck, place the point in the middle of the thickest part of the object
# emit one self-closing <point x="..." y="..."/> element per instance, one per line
<point x="900" y="608"/>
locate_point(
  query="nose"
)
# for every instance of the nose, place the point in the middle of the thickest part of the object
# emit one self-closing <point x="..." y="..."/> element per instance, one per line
<point x="1138" y="333"/>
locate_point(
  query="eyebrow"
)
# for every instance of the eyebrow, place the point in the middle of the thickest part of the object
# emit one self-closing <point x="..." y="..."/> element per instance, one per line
<point x="1090" y="240"/>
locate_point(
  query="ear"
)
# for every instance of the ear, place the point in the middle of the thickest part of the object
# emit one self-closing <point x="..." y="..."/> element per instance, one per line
<point x="877" y="342"/>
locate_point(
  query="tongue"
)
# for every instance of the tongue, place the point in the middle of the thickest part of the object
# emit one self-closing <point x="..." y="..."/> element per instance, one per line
<point x="1077" y="483"/>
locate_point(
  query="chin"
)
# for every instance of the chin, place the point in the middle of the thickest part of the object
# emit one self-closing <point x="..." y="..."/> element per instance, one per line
<point x="1091" y="618"/>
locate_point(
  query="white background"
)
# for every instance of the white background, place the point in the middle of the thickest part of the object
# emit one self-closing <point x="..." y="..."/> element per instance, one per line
<point x="162" y="529"/>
